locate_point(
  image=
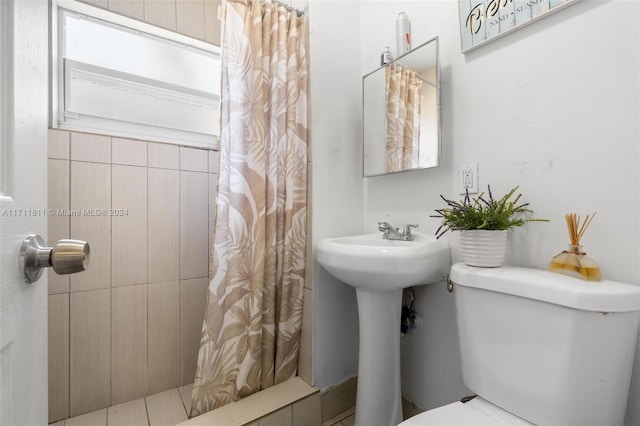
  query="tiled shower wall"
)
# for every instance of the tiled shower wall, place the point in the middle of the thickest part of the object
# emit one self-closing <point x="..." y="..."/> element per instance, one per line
<point x="195" y="18"/>
<point x="130" y="325"/>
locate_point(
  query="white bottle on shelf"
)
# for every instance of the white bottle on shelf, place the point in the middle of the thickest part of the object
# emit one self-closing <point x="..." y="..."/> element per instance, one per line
<point x="403" y="34"/>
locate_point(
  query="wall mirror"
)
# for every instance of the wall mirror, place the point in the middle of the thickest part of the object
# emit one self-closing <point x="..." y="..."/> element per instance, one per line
<point x="401" y="113"/>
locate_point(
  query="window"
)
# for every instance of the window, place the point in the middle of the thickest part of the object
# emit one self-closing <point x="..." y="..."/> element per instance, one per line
<point x="118" y="76"/>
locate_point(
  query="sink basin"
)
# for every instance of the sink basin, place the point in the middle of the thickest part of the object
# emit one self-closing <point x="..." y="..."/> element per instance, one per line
<point x="379" y="269"/>
<point x="369" y="262"/>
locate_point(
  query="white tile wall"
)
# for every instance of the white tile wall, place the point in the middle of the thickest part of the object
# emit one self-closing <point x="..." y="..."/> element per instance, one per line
<point x="164" y="156"/>
<point x="100" y="3"/>
<point x="161" y="13"/>
<point x="59" y="144"/>
<point x="212" y="31"/>
<point x="142" y="248"/>
<point x="91" y="191"/>
<point x="89" y="357"/>
<point x="58" y="335"/>
<point x="132" y="327"/>
<point x="129" y="152"/>
<point x="193" y="296"/>
<point x="129" y="225"/>
<point x="58" y="199"/>
<point x="164" y="336"/>
<point x="195" y="160"/>
<point x="128" y="343"/>
<point x="88" y="147"/>
<point x="194" y="240"/>
<point x="132" y="8"/>
<point x="214" y="158"/>
<point x="190" y="18"/>
<point x="163" y="224"/>
<point x="195" y="18"/>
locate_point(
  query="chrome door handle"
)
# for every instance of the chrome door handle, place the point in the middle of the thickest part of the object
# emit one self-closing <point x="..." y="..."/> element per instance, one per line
<point x="67" y="257"/>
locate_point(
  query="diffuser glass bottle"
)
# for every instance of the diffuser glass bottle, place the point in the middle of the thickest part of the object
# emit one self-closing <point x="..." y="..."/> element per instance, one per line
<point x="575" y="262"/>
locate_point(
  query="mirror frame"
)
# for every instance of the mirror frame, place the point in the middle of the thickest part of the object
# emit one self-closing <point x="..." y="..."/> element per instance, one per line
<point x="435" y="39"/>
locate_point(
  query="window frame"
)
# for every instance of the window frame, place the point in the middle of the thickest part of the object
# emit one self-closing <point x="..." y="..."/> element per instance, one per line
<point x="57" y="73"/>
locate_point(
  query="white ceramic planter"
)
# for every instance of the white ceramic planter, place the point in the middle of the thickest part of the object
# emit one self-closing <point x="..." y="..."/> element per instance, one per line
<point x="486" y="249"/>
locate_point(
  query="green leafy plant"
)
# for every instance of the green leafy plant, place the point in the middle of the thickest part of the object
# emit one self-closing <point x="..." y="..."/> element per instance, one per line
<point x="482" y="212"/>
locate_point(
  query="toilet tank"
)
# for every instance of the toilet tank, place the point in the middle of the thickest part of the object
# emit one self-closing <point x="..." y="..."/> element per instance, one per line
<point x="549" y="348"/>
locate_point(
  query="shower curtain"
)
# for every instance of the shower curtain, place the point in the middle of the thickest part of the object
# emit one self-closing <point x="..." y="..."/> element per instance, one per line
<point x="251" y="331"/>
<point x="402" y="92"/>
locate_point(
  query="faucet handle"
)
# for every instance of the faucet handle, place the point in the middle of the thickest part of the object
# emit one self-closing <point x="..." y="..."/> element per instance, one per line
<point x="407" y="229"/>
<point x="385" y="226"/>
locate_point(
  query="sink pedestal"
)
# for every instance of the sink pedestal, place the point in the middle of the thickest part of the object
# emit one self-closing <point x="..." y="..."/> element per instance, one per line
<point x="378" y="400"/>
<point x="379" y="269"/>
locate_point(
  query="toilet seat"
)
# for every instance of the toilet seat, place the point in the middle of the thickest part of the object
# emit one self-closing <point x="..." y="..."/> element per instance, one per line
<point x="476" y="412"/>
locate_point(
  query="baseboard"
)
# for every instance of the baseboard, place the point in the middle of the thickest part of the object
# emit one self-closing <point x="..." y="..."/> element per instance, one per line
<point x="342" y="398"/>
<point x="339" y="399"/>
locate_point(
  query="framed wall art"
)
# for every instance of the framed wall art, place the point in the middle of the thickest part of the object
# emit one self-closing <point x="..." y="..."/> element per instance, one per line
<point x="482" y="21"/>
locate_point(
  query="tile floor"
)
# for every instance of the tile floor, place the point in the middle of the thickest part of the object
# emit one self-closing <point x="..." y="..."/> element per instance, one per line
<point x="166" y="408"/>
<point x="346" y="418"/>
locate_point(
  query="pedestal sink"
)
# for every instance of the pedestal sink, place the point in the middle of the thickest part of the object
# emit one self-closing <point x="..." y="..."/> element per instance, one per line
<point x="379" y="269"/>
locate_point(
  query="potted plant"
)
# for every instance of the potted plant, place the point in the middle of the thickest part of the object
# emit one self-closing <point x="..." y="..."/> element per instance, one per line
<point x="483" y="222"/>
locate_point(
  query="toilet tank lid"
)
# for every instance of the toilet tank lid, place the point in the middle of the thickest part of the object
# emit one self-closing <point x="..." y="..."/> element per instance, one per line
<point x="599" y="296"/>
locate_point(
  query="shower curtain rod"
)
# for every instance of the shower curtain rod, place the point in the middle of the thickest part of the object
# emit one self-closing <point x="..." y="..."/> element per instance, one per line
<point x="418" y="76"/>
<point x="424" y="80"/>
<point x="286" y="6"/>
<point x="290" y="8"/>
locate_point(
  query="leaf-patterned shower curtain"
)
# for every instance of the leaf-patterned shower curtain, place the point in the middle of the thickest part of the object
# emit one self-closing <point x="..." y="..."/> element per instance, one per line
<point x="251" y="330"/>
<point x="402" y="93"/>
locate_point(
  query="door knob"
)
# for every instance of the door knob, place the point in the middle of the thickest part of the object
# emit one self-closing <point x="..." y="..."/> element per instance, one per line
<point x="67" y="257"/>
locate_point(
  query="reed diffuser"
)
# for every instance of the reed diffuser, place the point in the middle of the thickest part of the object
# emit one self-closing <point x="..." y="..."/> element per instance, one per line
<point x="575" y="262"/>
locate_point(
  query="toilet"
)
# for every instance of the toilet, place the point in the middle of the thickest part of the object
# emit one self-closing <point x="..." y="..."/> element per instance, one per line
<point x="540" y="348"/>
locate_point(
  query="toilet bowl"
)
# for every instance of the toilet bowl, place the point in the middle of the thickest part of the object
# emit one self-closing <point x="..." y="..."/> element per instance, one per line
<point x="540" y="348"/>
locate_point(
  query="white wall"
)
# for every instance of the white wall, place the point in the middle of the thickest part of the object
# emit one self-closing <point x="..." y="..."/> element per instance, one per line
<point x="552" y="108"/>
<point x="336" y="165"/>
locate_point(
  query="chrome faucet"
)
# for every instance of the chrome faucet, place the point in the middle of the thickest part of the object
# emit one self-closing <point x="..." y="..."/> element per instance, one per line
<point x="389" y="232"/>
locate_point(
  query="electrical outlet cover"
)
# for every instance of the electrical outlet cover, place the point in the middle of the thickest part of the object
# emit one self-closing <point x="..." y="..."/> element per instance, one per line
<point x="468" y="178"/>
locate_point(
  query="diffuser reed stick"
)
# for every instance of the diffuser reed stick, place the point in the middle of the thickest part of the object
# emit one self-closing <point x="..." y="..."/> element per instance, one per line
<point x="574" y="262"/>
<point x="575" y="230"/>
